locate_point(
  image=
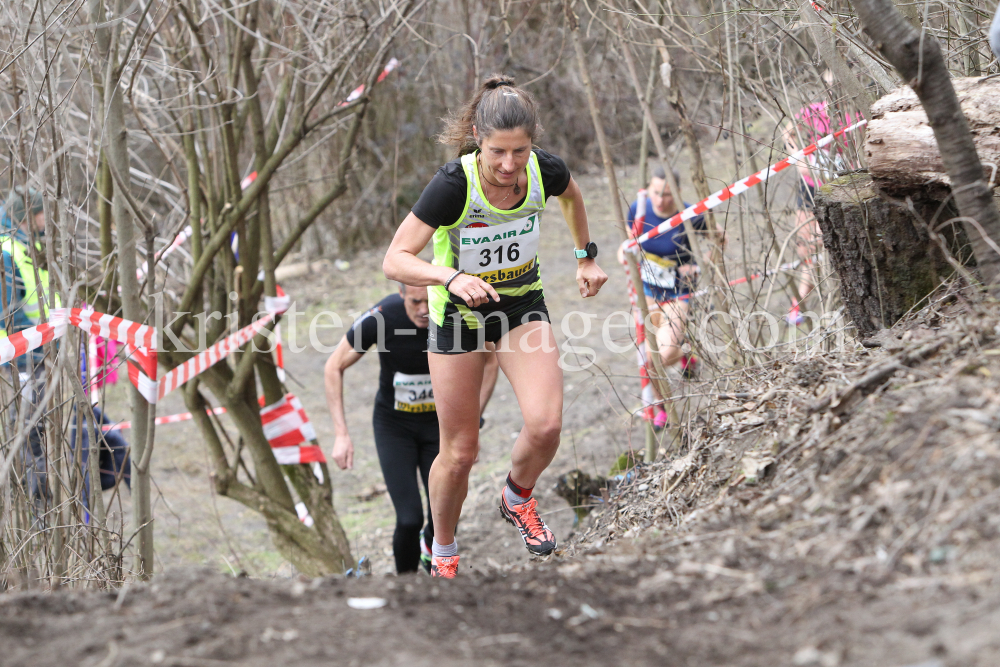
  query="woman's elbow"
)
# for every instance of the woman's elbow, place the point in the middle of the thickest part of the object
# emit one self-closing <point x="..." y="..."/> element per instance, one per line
<point x="389" y="267"/>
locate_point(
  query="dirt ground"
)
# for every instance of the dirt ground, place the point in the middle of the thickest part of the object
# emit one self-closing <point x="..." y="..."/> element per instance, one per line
<point x="827" y="521"/>
<point x="846" y="517"/>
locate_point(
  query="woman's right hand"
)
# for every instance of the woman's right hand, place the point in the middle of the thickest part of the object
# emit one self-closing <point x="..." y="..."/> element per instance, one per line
<point x="474" y="291"/>
<point x="343" y="452"/>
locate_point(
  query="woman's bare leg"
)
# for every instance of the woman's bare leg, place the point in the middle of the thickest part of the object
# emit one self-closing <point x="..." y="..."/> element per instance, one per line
<point x="669" y="319"/>
<point x="807" y="244"/>
<point x="457" y="380"/>
<point x="530" y="359"/>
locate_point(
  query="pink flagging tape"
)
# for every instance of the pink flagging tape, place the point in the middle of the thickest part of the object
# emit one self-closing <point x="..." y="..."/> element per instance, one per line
<point x="168" y="419"/>
<point x="357" y="92"/>
<point x="739" y="187"/>
<point x="286" y="427"/>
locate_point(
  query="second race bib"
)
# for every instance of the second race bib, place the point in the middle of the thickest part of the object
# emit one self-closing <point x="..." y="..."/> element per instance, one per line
<point x="499" y="253"/>
<point x="413" y="393"/>
<point x="659" y="272"/>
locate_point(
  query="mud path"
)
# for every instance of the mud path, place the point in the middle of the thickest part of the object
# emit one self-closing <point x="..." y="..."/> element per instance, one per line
<point x="609" y="610"/>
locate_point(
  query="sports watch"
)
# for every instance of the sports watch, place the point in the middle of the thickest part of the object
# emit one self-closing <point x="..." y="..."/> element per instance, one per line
<point x="589" y="251"/>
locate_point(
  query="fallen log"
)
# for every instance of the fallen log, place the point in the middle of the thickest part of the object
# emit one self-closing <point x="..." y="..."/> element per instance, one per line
<point x="902" y="153"/>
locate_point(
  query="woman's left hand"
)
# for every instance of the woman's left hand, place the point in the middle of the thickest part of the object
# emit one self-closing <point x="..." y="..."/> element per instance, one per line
<point x="590" y="278"/>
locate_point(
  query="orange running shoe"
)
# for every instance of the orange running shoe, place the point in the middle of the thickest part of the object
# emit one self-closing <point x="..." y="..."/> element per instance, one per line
<point x="537" y="537"/>
<point x="444" y="566"/>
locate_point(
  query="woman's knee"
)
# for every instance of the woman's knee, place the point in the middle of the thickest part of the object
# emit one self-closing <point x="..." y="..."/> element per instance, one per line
<point x="544" y="428"/>
<point x="670" y="355"/>
<point x="457" y="459"/>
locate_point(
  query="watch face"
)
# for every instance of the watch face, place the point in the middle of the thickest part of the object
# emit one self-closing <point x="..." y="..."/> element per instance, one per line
<point x="592" y="250"/>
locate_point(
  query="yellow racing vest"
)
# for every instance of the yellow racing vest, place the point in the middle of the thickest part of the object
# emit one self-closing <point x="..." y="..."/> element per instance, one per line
<point x="32" y="306"/>
<point x="499" y="246"/>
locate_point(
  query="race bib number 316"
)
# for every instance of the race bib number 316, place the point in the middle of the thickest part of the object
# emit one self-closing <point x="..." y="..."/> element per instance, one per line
<point x="500" y="253"/>
<point x="413" y="393"/>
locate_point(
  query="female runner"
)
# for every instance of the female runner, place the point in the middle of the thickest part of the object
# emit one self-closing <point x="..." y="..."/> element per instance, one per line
<point x="483" y="211"/>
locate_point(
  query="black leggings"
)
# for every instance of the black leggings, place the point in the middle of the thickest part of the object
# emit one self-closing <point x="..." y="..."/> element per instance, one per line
<point x="406" y="447"/>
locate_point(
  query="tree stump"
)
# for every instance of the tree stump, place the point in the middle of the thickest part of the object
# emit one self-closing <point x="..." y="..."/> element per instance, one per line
<point x="883" y="253"/>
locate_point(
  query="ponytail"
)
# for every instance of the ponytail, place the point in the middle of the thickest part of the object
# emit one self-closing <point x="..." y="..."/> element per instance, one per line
<point x="498" y="105"/>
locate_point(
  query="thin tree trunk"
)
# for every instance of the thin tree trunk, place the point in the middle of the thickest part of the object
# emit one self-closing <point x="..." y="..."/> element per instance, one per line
<point x="644" y="140"/>
<point x="827" y="47"/>
<point x="718" y="277"/>
<point x="918" y="59"/>
<point x="658" y="377"/>
<point x="116" y="149"/>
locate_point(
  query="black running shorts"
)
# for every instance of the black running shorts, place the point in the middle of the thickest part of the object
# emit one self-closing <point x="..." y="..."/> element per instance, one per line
<point x="456" y="338"/>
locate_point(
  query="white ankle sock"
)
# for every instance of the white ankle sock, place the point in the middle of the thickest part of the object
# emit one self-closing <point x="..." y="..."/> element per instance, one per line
<point x="444" y="550"/>
<point x="513" y="498"/>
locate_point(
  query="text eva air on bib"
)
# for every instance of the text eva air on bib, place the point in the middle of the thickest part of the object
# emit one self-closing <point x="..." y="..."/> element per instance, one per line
<point x="499" y="253"/>
<point x="413" y="393"/>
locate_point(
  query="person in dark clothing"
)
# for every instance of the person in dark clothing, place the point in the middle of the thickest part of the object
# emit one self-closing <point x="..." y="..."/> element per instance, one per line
<point x="113" y="449"/>
<point x="404" y="419"/>
<point x="22" y="225"/>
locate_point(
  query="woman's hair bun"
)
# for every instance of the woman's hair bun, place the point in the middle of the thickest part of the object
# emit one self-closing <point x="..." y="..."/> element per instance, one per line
<point x="498" y="80"/>
<point x="489" y="111"/>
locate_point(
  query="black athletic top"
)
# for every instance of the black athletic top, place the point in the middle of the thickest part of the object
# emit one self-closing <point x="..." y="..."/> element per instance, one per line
<point x="451" y="206"/>
<point x="404" y="384"/>
<point x="443" y="200"/>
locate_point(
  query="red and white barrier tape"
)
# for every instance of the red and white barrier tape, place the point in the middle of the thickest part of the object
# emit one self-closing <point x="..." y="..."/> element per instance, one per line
<point x="648" y="397"/>
<point x="168" y="419"/>
<point x="357" y="92"/>
<point x="100" y="324"/>
<point x="789" y="266"/>
<point x="25" y="341"/>
<point x="710" y="202"/>
<point x="114" y="328"/>
<point x="286" y="427"/>
<point x="185" y="234"/>
<point x="739" y="187"/>
<point x="279" y="355"/>
<point x="154" y="390"/>
<point x="178" y="241"/>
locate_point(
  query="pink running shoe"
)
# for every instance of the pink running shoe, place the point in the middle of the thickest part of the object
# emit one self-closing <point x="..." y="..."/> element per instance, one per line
<point x="444" y="566"/>
<point x="689" y="367"/>
<point x="538" y="539"/>
<point x="794" y="317"/>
